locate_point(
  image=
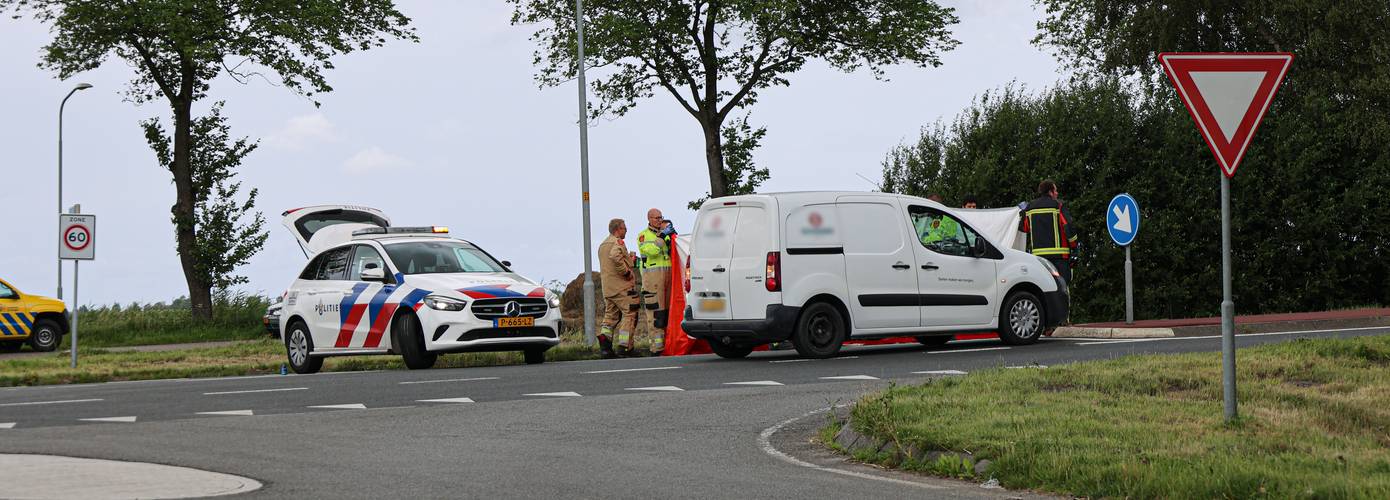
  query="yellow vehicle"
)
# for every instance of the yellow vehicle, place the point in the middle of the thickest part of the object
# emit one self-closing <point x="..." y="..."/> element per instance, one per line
<point x="39" y="321"/>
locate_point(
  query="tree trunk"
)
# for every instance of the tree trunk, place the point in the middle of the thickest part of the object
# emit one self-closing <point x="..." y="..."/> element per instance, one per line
<point x="714" y="159"/>
<point x="199" y="291"/>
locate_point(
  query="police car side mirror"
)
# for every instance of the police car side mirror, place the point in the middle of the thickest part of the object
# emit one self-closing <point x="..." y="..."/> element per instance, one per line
<point x="373" y="274"/>
<point x="507" y="264"/>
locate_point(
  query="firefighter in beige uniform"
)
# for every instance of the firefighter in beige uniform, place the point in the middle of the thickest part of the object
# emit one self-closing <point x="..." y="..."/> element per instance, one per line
<point x="619" y="296"/>
<point x="653" y="243"/>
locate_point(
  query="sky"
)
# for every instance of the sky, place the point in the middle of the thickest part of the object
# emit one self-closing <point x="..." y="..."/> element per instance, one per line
<point x="453" y="131"/>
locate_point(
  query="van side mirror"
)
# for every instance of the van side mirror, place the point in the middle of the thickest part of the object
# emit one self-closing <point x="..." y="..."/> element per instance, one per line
<point x="980" y="248"/>
<point x="373" y="274"/>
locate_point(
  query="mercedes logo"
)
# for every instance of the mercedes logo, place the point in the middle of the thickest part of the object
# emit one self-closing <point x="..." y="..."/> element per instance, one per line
<point x="512" y="309"/>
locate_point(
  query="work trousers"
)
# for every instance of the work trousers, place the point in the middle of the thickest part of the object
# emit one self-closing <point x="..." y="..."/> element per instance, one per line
<point x="655" y="283"/>
<point x="620" y="313"/>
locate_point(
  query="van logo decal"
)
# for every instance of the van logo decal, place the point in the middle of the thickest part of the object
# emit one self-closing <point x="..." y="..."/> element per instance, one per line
<point x="816" y="220"/>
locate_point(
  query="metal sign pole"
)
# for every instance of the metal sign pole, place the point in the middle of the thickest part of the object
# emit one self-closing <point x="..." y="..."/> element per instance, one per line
<point x="588" y="288"/>
<point x="1228" y="307"/>
<point x="1129" y="289"/>
<point x="76" y="264"/>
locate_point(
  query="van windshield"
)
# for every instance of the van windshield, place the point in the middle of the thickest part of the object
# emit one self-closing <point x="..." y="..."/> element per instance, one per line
<point x="432" y="257"/>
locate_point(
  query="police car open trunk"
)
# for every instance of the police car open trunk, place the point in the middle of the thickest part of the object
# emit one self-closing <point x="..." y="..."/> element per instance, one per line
<point x="320" y="227"/>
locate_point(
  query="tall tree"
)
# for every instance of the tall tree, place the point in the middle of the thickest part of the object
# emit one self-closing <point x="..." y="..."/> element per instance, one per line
<point x="176" y="48"/>
<point x="741" y="174"/>
<point x="224" y="238"/>
<point x="715" y="56"/>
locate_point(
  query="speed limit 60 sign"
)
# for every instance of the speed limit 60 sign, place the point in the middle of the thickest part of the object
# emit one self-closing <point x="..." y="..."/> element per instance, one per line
<point x="78" y="234"/>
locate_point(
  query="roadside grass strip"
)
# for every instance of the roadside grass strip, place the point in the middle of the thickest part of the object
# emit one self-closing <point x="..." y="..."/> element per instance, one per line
<point x="263" y="357"/>
<point x="1315" y="423"/>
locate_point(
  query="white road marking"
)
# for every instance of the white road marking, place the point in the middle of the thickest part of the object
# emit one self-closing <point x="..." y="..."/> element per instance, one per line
<point x="798" y="360"/>
<point x="755" y="382"/>
<point x="636" y="369"/>
<point x="31" y="403"/>
<point x="850" y="377"/>
<point x="941" y="372"/>
<point x="349" y="406"/>
<point x="765" y="442"/>
<point x="847" y="357"/>
<point x="256" y="390"/>
<point x="7" y="425"/>
<point x="109" y="419"/>
<point x="446" y="400"/>
<point x="969" y="350"/>
<point x="555" y="394"/>
<point x="1238" y="336"/>
<point x="657" y="388"/>
<point x="449" y="380"/>
<point x="229" y="413"/>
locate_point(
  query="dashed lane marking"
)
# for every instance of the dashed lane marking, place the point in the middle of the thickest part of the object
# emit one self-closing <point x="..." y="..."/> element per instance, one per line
<point x="229" y="413"/>
<point x="31" y="403"/>
<point x="252" y="391"/>
<point x="635" y="369"/>
<point x="125" y="420"/>
<point x="449" y="380"/>
<point x="446" y="400"/>
<point x="668" y="388"/>
<point x="755" y="382"/>
<point x="554" y="394"/>
<point x="940" y="372"/>
<point x="969" y="350"/>
<point x="349" y="406"/>
<point x="7" y="425"/>
<point x="850" y="377"/>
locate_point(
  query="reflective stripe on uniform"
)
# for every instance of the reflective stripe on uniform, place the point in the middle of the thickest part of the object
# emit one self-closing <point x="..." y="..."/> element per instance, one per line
<point x="1051" y="251"/>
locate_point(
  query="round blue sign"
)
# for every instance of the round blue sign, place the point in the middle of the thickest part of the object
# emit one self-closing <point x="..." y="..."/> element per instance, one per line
<point x="1122" y="219"/>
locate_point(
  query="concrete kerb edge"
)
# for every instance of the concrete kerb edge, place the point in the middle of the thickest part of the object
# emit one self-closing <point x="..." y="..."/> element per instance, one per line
<point x="852" y="442"/>
<point x="1077" y="332"/>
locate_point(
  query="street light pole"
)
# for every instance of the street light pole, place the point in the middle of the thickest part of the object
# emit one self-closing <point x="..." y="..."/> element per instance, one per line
<point x="80" y="86"/>
<point x="588" y="288"/>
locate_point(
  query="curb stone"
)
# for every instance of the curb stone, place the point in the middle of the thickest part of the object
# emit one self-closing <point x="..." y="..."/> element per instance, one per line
<point x="853" y="441"/>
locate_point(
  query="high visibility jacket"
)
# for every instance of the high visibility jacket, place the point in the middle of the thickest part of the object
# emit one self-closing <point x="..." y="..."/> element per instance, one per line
<point x="1049" y="228"/>
<point x="654" y="249"/>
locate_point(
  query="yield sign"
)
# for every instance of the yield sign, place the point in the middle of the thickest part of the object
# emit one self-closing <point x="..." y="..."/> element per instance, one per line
<point x="1227" y="94"/>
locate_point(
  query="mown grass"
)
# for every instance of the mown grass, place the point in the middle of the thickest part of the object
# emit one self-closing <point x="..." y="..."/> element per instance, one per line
<point x="1315" y="424"/>
<point x="235" y="317"/>
<point x="249" y="358"/>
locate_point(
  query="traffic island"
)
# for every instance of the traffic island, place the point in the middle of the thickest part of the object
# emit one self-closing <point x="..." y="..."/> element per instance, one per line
<point x="48" y="476"/>
<point x="1202" y="327"/>
<point x="1315" y="422"/>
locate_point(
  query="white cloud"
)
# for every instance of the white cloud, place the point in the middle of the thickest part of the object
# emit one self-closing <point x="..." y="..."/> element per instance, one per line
<point x="374" y="159"/>
<point x="300" y="132"/>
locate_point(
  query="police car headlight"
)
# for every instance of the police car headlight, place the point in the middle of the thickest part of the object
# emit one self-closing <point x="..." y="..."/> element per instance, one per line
<point x="554" y="301"/>
<point x="441" y="303"/>
<point x="1050" y="268"/>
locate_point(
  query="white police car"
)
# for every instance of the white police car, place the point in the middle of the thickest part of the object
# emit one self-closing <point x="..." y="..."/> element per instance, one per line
<point x="375" y="289"/>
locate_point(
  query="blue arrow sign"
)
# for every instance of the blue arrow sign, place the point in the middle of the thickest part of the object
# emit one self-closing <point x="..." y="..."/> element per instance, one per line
<point x="1122" y="219"/>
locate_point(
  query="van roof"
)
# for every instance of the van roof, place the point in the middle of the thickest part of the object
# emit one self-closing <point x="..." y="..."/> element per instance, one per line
<point x="833" y="194"/>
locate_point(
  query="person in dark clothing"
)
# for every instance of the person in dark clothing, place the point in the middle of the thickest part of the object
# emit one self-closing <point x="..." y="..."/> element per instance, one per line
<point x="1050" y="233"/>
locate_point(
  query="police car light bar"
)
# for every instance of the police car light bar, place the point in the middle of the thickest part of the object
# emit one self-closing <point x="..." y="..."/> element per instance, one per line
<point x="402" y="230"/>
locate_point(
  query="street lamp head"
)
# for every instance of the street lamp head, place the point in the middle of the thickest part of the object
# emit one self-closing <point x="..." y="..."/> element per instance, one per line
<point x="83" y="86"/>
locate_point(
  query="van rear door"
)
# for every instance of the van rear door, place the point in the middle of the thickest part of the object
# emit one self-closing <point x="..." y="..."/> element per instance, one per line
<point x="753" y="240"/>
<point x="711" y="256"/>
<point x="320" y="227"/>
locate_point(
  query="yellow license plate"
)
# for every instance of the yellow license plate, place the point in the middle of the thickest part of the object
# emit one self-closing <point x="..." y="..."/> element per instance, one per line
<point x="515" y="322"/>
<point x="712" y="305"/>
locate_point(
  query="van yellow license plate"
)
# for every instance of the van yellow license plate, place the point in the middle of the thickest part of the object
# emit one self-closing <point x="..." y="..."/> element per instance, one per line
<point x="514" y="322"/>
<point x="712" y="305"/>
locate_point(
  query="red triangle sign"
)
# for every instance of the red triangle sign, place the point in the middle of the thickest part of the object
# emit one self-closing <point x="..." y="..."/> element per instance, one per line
<point x="1227" y="94"/>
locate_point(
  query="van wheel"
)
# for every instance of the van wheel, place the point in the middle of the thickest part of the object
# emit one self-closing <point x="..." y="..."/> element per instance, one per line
<point x="1021" y="319"/>
<point x="412" y="343"/>
<point x="298" y="346"/>
<point x="730" y="351"/>
<point x="46" y="336"/>
<point x="936" y="341"/>
<point x="820" y="331"/>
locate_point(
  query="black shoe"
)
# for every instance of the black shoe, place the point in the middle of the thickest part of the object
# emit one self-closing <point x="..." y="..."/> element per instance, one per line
<point x="607" y="354"/>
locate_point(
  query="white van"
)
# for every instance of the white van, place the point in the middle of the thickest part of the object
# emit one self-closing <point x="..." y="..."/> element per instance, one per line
<point x="819" y="268"/>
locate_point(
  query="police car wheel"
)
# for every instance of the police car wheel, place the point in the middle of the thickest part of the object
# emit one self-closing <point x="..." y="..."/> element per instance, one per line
<point x="534" y="356"/>
<point x="298" y="346"/>
<point x="1021" y="318"/>
<point x="11" y="346"/>
<point x="45" y="336"/>
<point x="819" y="332"/>
<point x="727" y="351"/>
<point x="412" y="343"/>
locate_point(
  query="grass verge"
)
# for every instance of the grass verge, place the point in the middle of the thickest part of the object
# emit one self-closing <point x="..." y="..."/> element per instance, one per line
<point x="1315" y="424"/>
<point x="251" y="358"/>
<point x="234" y="317"/>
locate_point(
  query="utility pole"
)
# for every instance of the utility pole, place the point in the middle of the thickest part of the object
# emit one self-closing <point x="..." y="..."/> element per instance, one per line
<point x="588" y="288"/>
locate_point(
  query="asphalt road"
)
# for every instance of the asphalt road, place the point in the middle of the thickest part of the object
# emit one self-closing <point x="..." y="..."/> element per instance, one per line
<point x="691" y="426"/>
